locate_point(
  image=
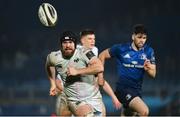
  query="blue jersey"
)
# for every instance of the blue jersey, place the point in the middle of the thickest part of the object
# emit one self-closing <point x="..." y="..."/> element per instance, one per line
<point x="130" y="64"/>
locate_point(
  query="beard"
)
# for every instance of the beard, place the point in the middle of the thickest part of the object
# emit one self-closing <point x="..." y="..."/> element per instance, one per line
<point x="68" y="53"/>
<point x="139" y="45"/>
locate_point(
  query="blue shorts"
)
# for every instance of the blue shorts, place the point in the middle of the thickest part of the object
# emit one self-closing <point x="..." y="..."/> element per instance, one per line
<point x="126" y="94"/>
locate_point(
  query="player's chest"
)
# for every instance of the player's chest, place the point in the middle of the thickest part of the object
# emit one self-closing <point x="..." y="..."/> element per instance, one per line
<point x="132" y="57"/>
<point x="63" y="64"/>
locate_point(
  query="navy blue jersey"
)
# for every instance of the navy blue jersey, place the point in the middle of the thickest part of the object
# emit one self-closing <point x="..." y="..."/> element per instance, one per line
<point x="130" y="64"/>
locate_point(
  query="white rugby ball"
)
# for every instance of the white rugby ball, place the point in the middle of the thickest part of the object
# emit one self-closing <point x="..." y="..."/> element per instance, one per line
<point x="47" y="15"/>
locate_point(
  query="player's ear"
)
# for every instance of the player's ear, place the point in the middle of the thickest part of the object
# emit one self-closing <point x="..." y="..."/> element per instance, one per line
<point x="82" y="40"/>
<point x="133" y="36"/>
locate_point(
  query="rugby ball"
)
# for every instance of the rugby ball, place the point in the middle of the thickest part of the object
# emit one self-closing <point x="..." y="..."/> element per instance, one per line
<point x="47" y="15"/>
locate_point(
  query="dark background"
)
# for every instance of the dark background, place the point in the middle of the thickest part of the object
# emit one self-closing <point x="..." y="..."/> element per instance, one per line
<point x="25" y="43"/>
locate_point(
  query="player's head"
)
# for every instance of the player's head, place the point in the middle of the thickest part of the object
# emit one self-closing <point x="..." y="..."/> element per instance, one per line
<point x="68" y="43"/>
<point x="139" y="35"/>
<point x="87" y="38"/>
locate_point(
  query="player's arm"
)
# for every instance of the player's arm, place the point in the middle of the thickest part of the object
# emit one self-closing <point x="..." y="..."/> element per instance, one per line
<point x="50" y="70"/>
<point x="59" y="83"/>
<point x="103" y="56"/>
<point x="150" y="68"/>
<point x="107" y="88"/>
<point x="94" y="66"/>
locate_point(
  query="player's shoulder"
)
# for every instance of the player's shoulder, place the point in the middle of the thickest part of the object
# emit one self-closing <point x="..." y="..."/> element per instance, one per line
<point x="148" y="48"/>
<point x="122" y="47"/>
<point x="82" y="49"/>
<point x="54" y="54"/>
<point x="95" y="50"/>
<point x="79" y="46"/>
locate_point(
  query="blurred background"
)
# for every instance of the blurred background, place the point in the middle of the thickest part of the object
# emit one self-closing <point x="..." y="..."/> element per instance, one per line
<point x="25" y="43"/>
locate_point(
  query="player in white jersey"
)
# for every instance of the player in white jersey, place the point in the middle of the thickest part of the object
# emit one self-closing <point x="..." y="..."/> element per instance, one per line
<point x="87" y="38"/>
<point x="77" y="68"/>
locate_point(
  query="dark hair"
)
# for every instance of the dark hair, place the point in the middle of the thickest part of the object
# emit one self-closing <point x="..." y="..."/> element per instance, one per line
<point x="86" y="32"/>
<point x="139" y="28"/>
<point x="68" y="35"/>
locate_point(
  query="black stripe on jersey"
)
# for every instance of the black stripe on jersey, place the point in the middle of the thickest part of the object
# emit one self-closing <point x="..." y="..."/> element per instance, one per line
<point x="90" y="54"/>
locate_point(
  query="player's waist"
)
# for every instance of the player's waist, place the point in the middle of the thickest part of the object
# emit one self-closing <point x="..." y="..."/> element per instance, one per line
<point x="82" y="96"/>
<point x="130" y="82"/>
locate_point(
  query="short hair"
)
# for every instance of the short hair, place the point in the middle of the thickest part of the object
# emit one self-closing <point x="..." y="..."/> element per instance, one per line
<point x="86" y="32"/>
<point x="139" y="28"/>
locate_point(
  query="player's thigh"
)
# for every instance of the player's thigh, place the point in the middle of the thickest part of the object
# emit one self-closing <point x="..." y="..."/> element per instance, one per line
<point x="88" y="111"/>
<point x="62" y="108"/>
<point x="84" y="110"/>
<point x="65" y="112"/>
<point x="138" y="105"/>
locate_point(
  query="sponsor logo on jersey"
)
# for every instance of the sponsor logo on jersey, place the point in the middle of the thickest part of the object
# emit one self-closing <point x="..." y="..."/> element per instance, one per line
<point x="76" y="60"/>
<point x="90" y="54"/>
<point x="134" y="62"/>
<point x="133" y="65"/>
<point x="126" y="56"/>
<point x="143" y="56"/>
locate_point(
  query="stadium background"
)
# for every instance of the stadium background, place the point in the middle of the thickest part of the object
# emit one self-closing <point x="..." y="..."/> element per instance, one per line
<point x="25" y="43"/>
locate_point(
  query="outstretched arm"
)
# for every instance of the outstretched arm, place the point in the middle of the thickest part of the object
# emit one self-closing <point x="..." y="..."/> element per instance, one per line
<point x="51" y="76"/>
<point x="103" y="56"/>
<point x="107" y="88"/>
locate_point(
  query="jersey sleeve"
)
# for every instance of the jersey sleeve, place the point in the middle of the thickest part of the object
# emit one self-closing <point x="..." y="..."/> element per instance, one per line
<point x="48" y="60"/>
<point x="114" y="50"/>
<point x="52" y="58"/>
<point x="152" y="57"/>
<point x="88" y="55"/>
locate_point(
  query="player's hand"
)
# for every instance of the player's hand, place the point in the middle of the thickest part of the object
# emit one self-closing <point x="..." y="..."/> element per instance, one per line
<point x="53" y="91"/>
<point x="71" y="71"/>
<point x="147" y="65"/>
<point x="116" y="103"/>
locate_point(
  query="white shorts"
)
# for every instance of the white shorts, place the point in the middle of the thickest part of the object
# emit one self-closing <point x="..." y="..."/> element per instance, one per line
<point x="97" y="110"/>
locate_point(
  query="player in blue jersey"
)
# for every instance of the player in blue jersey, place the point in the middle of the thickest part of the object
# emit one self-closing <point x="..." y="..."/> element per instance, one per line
<point x="133" y="60"/>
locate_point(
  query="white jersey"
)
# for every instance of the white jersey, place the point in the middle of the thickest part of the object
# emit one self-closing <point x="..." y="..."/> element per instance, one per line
<point x="77" y="88"/>
<point x="94" y="50"/>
